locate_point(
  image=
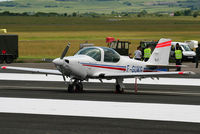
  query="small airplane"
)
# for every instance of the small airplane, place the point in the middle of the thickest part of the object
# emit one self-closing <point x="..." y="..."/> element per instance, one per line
<point x="105" y="63"/>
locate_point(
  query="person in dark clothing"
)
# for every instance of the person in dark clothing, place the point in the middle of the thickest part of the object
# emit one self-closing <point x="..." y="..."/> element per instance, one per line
<point x="197" y="55"/>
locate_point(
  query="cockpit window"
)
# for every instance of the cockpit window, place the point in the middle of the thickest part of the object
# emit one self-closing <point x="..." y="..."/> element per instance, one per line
<point x="110" y="55"/>
<point x="95" y="53"/>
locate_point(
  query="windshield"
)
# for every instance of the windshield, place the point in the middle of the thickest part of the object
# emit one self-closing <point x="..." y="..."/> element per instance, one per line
<point x="186" y="47"/>
<point x="95" y="53"/>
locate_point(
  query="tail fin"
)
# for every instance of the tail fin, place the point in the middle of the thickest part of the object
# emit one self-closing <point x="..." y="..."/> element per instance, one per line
<point x="160" y="55"/>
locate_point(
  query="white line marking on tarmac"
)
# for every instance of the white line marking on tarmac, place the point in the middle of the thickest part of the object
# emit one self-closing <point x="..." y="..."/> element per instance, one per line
<point x="124" y="110"/>
<point x="43" y="77"/>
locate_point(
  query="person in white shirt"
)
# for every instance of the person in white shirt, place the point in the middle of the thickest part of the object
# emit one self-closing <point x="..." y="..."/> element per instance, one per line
<point x="138" y="54"/>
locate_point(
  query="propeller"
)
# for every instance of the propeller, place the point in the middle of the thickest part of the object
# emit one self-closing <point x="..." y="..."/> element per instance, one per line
<point x="61" y="57"/>
<point x="65" y="51"/>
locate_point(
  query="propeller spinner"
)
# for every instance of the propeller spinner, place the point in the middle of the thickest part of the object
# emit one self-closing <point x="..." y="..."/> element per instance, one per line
<point x="60" y="62"/>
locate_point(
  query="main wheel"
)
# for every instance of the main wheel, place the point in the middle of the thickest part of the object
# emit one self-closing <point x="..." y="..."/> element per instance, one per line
<point x="79" y="87"/>
<point x="118" y="89"/>
<point x="71" y="88"/>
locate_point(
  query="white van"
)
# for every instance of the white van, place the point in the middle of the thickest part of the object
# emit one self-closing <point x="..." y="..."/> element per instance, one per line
<point x="188" y="53"/>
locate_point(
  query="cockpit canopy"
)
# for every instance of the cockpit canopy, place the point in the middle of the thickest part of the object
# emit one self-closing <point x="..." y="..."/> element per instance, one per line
<point x="93" y="52"/>
<point x="100" y="54"/>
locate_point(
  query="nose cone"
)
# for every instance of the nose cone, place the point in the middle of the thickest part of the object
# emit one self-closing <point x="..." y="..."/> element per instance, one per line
<point x="57" y="61"/>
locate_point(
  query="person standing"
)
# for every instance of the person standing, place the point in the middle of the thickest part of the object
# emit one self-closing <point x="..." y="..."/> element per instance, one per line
<point x="147" y="53"/>
<point x="178" y="56"/>
<point x="138" y="54"/>
<point x="197" y="55"/>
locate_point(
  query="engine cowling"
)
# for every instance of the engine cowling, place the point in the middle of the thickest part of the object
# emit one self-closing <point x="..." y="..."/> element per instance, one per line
<point x="77" y="70"/>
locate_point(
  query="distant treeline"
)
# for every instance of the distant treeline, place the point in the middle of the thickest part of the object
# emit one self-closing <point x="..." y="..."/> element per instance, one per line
<point x="187" y="12"/>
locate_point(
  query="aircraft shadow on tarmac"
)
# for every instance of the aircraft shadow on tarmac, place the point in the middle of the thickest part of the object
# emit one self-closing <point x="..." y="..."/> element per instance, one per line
<point x="61" y="92"/>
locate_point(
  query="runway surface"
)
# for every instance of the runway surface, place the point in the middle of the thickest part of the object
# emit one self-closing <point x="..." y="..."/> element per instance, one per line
<point x="45" y="107"/>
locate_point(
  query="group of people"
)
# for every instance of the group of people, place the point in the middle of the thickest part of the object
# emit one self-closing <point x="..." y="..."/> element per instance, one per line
<point x="147" y="53"/>
<point x="139" y="56"/>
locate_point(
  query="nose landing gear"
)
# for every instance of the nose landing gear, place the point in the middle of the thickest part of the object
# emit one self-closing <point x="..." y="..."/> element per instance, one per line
<point x="75" y="86"/>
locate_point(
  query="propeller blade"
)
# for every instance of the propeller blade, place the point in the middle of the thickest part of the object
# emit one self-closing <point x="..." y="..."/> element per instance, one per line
<point x="65" y="51"/>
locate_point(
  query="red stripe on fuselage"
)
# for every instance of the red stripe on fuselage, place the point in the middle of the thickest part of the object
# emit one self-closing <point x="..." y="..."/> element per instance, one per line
<point x="164" y="44"/>
<point x="115" y="68"/>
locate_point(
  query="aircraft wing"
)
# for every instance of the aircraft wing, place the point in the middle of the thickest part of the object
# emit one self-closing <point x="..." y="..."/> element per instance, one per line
<point x="33" y="70"/>
<point x="141" y="74"/>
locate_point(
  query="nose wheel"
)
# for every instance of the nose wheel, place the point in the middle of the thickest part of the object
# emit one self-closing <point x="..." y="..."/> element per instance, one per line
<point x="75" y="86"/>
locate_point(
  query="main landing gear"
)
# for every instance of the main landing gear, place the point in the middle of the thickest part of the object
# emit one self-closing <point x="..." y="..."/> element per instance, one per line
<point x="75" y="86"/>
<point x="119" y="87"/>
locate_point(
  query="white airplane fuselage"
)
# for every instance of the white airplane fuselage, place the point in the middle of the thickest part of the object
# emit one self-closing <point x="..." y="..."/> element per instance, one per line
<point x="83" y="66"/>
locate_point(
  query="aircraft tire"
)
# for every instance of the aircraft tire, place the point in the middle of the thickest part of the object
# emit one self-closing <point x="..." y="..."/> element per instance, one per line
<point x="71" y="88"/>
<point x="117" y="89"/>
<point x="79" y="87"/>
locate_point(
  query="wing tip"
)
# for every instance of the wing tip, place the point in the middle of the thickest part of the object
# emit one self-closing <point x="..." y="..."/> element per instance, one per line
<point x="187" y="72"/>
